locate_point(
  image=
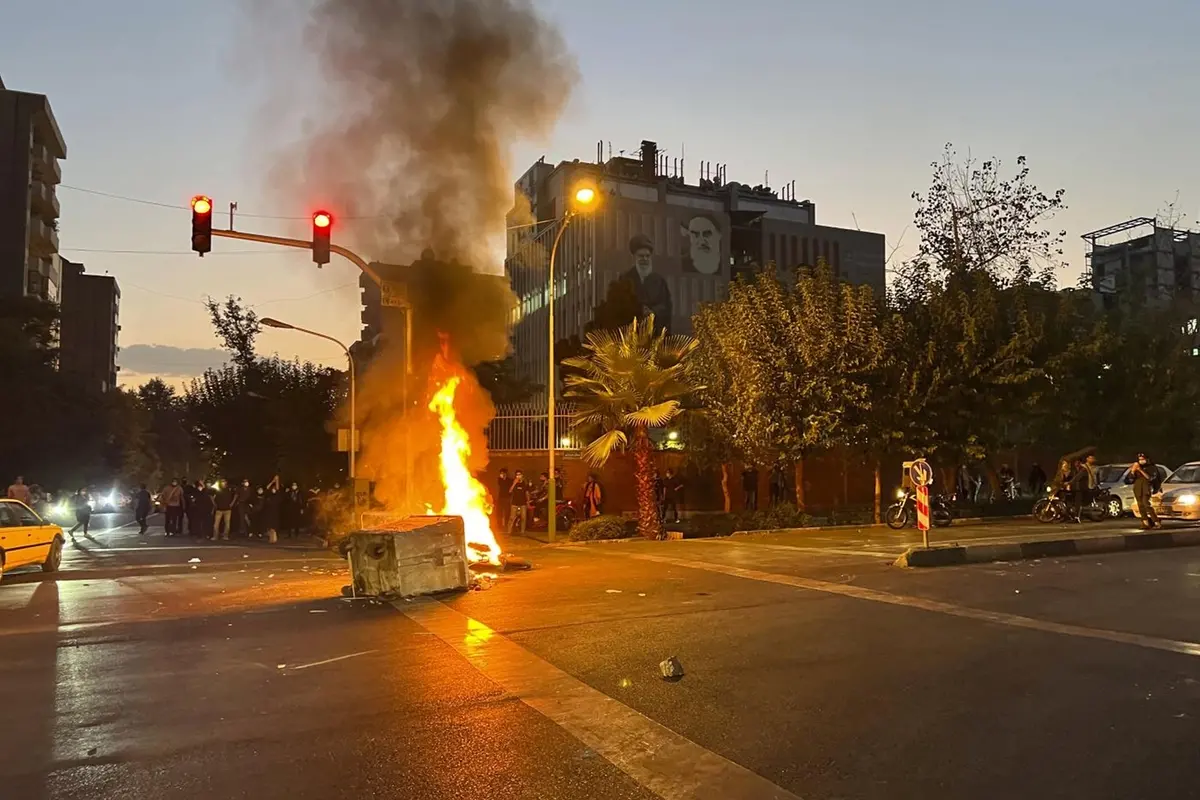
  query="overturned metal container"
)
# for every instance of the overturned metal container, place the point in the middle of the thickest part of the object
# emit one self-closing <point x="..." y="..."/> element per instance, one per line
<point x="394" y="556"/>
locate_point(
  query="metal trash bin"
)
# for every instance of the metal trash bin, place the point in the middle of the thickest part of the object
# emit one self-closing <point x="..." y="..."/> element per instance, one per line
<point x="409" y="556"/>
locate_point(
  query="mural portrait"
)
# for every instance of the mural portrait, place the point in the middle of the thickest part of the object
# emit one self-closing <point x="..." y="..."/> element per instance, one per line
<point x="702" y="236"/>
<point x="651" y="288"/>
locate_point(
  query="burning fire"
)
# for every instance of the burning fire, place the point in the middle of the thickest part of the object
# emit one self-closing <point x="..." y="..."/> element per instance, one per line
<point x="465" y="496"/>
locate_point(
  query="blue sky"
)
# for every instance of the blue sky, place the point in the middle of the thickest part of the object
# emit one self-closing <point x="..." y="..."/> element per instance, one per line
<point x="851" y="99"/>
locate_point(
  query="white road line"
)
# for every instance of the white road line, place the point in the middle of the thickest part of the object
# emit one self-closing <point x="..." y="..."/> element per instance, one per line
<point x="937" y="606"/>
<point x="332" y="660"/>
<point x="670" y="765"/>
<point x="873" y="554"/>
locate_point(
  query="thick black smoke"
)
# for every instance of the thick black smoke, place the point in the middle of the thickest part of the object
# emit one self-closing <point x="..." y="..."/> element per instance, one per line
<point x="420" y="104"/>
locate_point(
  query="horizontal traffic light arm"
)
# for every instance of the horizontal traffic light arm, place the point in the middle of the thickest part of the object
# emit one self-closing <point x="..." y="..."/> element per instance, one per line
<point x="302" y="244"/>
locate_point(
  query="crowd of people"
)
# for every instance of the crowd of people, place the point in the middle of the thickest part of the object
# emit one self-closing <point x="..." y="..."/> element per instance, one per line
<point x="228" y="509"/>
<point x="521" y="503"/>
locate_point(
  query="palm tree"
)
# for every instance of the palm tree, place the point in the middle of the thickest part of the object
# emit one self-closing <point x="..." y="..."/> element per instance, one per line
<point x="630" y="380"/>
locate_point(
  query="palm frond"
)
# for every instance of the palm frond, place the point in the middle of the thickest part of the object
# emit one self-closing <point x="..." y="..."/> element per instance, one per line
<point x="599" y="450"/>
<point x="653" y="416"/>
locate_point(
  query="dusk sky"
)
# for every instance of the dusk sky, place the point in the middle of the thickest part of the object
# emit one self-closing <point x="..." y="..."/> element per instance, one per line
<point x="158" y="101"/>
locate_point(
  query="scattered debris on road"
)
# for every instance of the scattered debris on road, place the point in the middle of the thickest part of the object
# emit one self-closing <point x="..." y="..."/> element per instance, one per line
<point x="612" y="591"/>
<point x="194" y="561"/>
<point x="671" y="669"/>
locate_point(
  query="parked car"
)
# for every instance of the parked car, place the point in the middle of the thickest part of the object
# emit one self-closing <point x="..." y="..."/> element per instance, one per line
<point x="26" y="539"/>
<point x="1180" y="497"/>
<point x="1112" y="477"/>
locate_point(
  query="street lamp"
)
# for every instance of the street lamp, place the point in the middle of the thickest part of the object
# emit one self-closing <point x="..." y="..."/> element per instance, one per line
<point x="274" y="323"/>
<point x="583" y="200"/>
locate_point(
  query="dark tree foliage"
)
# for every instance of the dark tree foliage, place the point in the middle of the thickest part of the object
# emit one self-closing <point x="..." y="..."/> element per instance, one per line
<point x="237" y="326"/>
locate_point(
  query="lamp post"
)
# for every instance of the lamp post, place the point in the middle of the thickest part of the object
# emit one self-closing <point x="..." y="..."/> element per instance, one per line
<point x="274" y="323"/>
<point x="584" y="199"/>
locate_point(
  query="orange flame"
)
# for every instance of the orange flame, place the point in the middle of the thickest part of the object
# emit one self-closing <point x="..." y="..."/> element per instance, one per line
<point x="465" y="496"/>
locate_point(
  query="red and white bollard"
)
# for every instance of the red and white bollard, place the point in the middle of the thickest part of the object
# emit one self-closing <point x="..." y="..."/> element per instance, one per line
<point x="923" y="513"/>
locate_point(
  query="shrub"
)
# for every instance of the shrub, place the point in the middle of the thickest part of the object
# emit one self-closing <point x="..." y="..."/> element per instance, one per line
<point x="781" y="516"/>
<point x="608" y="526"/>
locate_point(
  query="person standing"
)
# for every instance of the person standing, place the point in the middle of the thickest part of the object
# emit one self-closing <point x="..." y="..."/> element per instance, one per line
<point x="189" y="496"/>
<point x="1144" y="477"/>
<point x="292" y="511"/>
<point x="201" y="511"/>
<point x="593" y="497"/>
<point x="672" y="496"/>
<point x="143" y="504"/>
<point x="83" y="511"/>
<point x="504" y="486"/>
<point x="1037" y="480"/>
<point x="519" y="500"/>
<point x="1079" y="489"/>
<point x="242" y="503"/>
<point x="222" y="512"/>
<point x="172" y="503"/>
<point x="750" y="488"/>
<point x="776" y="484"/>
<point x="19" y="491"/>
<point x="272" y="502"/>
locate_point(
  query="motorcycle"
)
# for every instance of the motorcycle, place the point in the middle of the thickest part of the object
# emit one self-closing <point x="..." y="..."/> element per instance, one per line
<point x="1008" y="488"/>
<point x="903" y="512"/>
<point x="566" y="516"/>
<point x="1054" y="507"/>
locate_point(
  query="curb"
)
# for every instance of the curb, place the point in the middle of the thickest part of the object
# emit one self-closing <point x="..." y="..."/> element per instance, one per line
<point x="1024" y="551"/>
<point x="866" y="525"/>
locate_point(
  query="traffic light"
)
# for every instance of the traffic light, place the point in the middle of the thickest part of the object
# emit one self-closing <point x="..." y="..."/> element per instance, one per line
<point x="201" y="224"/>
<point x="322" y="227"/>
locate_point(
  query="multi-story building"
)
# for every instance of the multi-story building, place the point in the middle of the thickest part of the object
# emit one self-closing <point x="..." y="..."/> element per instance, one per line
<point x="1142" y="261"/>
<point x="699" y="236"/>
<point x="31" y="146"/>
<point x="89" y="327"/>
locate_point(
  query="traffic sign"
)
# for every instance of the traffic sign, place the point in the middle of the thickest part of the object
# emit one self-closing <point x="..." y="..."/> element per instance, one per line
<point x="393" y="294"/>
<point x="923" y="509"/>
<point x="920" y="473"/>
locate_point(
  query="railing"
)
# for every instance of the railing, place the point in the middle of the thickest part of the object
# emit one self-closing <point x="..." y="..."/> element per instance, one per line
<point x="523" y="427"/>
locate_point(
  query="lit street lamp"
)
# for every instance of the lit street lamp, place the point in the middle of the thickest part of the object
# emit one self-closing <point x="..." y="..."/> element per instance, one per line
<point x="583" y="200"/>
<point x="274" y="323"/>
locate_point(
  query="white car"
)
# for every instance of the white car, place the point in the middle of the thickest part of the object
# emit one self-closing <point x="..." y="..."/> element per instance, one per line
<point x="1112" y="477"/>
<point x="1180" y="498"/>
<point x="27" y="540"/>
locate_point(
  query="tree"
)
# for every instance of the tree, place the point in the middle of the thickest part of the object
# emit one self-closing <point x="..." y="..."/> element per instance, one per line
<point x="237" y="327"/>
<point x="787" y="369"/>
<point x="630" y="381"/>
<point x="172" y="442"/>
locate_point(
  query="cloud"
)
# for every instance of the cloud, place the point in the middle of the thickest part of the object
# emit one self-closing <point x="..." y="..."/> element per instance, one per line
<point x="164" y="361"/>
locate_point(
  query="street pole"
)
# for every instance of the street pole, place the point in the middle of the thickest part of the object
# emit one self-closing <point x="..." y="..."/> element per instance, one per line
<point x="551" y="443"/>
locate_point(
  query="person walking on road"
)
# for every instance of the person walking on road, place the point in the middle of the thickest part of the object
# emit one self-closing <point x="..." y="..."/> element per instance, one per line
<point x="242" y="503"/>
<point x="19" y="491"/>
<point x="172" y="503"/>
<point x="292" y="511"/>
<point x="82" y="505"/>
<point x="142" y="506"/>
<point x="222" y="513"/>
<point x="200" y="512"/>
<point x="1144" y="478"/>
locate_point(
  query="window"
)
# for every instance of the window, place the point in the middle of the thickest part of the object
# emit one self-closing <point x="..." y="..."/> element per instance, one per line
<point x="25" y="517"/>
<point x="7" y="518"/>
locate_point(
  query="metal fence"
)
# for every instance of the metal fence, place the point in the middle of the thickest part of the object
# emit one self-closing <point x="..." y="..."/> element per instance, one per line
<point x="523" y="427"/>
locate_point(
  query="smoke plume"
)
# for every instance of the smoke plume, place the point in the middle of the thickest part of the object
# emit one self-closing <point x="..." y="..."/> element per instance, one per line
<point x="419" y="104"/>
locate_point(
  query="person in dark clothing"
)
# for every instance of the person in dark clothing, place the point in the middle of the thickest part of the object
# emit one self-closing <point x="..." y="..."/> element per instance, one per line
<point x="312" y="511"/>
<point x="82" y="504"/>
<point x="201" y="512"/>
<point x="504" y="485"/>
<point x="222" y="512"/>
<point x="672" y="496"/>
<point x="777" y="484"/>
<point x="519" y="501"/>
<point x="541" y="496"/>
<point x="242" y="506"/>
<point x="292" y="511"/>
<point x="1037" y="480"/>
<point x="189" y="496"/>
<point x="172" y="503"/>
<point x="653" y="294"/>
<point x="560" y="485"/>
<point x="272" y="503"/>
<point x="143" y="504"/>
<point x="1145" y="479"/>
<point x="750" y="488"/>
<point x="254" y="517"/>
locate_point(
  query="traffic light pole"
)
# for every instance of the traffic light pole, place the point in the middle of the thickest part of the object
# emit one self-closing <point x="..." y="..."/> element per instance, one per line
<point x="367" y="270"/>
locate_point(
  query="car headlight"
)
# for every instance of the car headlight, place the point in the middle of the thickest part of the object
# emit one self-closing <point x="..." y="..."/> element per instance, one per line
<point x="1186" y="500"/>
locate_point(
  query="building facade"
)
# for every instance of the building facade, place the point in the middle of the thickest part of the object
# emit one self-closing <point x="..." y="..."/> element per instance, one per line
<point x="31" y="147"/>
<point x="90" y="326"/>
<point x="1142" y="261"/>
<point x="699" y="237"/>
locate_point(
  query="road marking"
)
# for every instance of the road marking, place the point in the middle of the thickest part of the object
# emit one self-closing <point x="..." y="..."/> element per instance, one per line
<point x="834" y="550"/>
<point x="332" y="660"/>
<point x="670" y="765"/>
<point x="937" y="606"/>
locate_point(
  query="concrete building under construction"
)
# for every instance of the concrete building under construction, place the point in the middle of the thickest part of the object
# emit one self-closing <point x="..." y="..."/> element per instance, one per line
<point x="1142" y="261"/>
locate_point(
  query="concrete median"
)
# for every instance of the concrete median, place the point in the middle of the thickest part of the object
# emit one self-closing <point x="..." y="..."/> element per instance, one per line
<point x="1046" y="548"/>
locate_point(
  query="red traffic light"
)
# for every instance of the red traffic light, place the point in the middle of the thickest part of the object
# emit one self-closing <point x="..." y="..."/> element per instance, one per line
<point x="322" y="219"/>
<point x="201" y="204"/>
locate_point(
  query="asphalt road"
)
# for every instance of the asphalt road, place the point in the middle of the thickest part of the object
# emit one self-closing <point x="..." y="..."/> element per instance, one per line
<point x="814" y="669"/>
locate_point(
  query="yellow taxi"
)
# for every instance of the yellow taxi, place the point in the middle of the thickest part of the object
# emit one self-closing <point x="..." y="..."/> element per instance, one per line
<point x="26" y="539"/>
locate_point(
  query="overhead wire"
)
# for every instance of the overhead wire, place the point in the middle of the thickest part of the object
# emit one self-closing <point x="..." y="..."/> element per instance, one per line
<point x="180" y="207"/>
